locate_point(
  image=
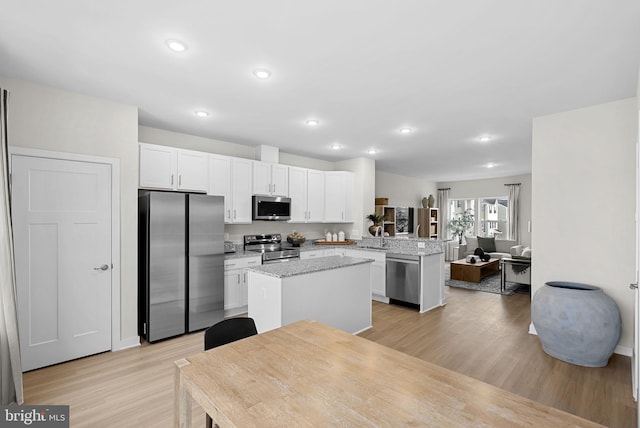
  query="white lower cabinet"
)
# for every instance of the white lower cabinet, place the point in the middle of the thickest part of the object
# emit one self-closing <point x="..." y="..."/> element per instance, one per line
<point x="311" y="254"/>
<point x="378" y="271"/>
<point x="235" y="284"/>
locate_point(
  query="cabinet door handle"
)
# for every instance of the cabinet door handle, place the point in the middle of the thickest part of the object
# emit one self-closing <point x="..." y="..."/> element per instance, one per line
<point x="180" y="180"/>
<point x="172" y="179"/>
<point x="238" y="279"/>
<point x="234" y="214"/>
<point x="274" y="188"/>
<point x="229" y="214"/>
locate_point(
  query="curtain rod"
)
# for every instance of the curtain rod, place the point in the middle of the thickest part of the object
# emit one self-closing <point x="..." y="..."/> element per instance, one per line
<point x="446" y="188"/>
<point x="513" y="184"/>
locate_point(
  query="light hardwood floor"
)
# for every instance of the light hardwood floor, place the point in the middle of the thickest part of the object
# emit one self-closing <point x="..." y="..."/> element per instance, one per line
<point x="478" y="334"/>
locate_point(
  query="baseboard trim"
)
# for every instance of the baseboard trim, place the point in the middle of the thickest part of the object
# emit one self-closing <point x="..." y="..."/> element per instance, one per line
<point x="626" y="351"/>
<point x="131" y="342"/>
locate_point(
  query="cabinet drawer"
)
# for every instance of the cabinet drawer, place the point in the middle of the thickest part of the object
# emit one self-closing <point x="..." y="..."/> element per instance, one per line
<point x="242" y="263"/>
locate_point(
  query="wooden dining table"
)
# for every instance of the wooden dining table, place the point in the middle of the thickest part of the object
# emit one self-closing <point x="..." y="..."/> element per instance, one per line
<point x="308" y="374"/>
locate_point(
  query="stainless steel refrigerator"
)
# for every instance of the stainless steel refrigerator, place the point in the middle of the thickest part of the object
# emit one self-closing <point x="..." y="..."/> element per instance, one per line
<point x="181" y="263"/>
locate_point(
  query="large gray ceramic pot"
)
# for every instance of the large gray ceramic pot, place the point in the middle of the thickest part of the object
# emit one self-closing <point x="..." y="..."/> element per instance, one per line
<point x="576" y="323"/>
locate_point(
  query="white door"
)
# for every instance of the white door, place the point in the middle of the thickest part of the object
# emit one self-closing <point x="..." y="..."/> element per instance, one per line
<point x="635" y="362"/>
<point x="62" y="229"/>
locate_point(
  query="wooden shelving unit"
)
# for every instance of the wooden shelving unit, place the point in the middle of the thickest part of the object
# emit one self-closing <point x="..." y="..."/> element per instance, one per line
<point x="389" y="224"/>
<point x="428" y="222"/>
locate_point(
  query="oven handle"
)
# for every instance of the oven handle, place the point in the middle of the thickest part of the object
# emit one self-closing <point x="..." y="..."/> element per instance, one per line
<point x="281" y="260"/>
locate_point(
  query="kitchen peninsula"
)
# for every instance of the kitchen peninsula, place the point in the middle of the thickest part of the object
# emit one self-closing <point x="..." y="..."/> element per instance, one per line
<point x="334" y="290"/>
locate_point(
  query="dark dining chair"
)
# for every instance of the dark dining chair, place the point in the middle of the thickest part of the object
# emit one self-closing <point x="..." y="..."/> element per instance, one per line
<point x="227" y="331"/>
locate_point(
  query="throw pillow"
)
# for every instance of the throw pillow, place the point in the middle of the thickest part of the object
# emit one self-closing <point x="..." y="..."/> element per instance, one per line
<point x="472" y="242"/>
<point x="488" y="245"/>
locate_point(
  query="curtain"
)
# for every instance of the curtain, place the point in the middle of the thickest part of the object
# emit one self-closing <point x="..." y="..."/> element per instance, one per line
<point x="443" y="208"/>
<point x="10" y="366"/>
<point x="514" y="211"/>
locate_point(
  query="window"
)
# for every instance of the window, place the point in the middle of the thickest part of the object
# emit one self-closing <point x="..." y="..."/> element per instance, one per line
<point x="459" y="206"/>
<point x="491" y="215"/>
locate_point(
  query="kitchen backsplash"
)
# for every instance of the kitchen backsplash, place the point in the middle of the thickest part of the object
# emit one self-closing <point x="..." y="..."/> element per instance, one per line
<point x="311" y="231"/>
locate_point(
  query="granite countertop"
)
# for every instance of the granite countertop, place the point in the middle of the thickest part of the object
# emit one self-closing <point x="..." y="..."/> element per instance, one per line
<point x="302" y="267"/>
<point x="387" y="245"/>
<point x="241" y="254"/>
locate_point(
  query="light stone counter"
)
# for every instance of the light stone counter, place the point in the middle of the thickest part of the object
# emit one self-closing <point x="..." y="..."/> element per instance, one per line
<point x="303" y="267"/>
<point x="334" y="290"/>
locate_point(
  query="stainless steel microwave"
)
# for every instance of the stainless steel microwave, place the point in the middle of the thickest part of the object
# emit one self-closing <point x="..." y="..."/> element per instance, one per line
<point x="271" y="208"/>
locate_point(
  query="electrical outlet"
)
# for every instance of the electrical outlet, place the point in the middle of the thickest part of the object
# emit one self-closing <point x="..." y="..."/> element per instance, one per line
<point x="422" y="245"/>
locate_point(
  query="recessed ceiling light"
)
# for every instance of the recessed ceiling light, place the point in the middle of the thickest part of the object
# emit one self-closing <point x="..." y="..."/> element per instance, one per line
<point x="405" y="130"/>
<point x="336" y="146"/>
<point x="262" y="73"/>
<point x="202" y="113"/>
<point x="372" y="151"/>
<point x="312" y="122"/>
<point x="490" y="165"/>
<point x="177" y="45"/>
<point x="484" y="138"/>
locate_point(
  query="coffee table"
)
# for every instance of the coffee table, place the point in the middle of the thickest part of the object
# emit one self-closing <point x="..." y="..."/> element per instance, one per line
<point x="474" y="272"/>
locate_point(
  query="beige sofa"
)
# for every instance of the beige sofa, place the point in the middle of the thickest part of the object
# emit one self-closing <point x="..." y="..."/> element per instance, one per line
<point x="503" y="248"/>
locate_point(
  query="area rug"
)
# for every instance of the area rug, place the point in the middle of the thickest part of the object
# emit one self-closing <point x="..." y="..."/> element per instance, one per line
<point x="490" y="284"/>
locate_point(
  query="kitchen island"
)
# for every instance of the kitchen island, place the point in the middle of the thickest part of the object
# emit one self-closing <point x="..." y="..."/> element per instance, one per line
<point x="334" y="290"/>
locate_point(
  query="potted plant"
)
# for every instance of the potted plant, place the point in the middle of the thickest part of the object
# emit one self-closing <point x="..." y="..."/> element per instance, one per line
<point x="461" y="224"/>
<point x="377" y="220"/>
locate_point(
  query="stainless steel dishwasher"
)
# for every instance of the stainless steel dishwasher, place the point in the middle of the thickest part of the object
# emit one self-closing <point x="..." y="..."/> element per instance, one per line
<point x="403" y="278"/>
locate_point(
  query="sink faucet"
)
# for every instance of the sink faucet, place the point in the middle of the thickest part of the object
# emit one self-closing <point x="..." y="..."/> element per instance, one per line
<point x="378" y="231"/>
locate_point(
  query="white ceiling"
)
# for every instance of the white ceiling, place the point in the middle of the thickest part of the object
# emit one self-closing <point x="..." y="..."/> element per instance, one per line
<point x="450" y="70"/>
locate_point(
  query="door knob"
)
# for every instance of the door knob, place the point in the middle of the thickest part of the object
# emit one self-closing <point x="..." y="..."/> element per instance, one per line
<point x="633" y="286"/>
<point x="103" y="267"/>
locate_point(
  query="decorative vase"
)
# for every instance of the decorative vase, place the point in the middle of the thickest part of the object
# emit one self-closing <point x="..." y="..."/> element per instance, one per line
<point x="576" y="323"/>
<point x="431" y="201"/>
<point x="425" y="202"/>
<point x="372" y="229"/>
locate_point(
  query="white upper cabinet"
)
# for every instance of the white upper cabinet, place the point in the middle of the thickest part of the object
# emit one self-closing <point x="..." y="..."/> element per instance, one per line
<point x="306" y="190"/>
<point x="270" y="179"/>
<point x="193" y="170"/>
<point x="338" y="196"/>
<point x="158" y="166"/>
<point x="220" y="182"/>
<point x="231" y="178"/>
<point x="170" y="168"/>
<point x="241" y="173"/>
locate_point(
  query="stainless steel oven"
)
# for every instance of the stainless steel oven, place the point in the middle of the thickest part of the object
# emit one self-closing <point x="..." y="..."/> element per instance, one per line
<point x="270" y="245"/>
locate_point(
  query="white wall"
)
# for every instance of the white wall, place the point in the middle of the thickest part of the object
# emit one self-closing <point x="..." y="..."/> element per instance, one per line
<point x="584" y="192"/>
<point x="404" y="191"/>
<point x="474" y="189"/>
<point x="50" y="119"/>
